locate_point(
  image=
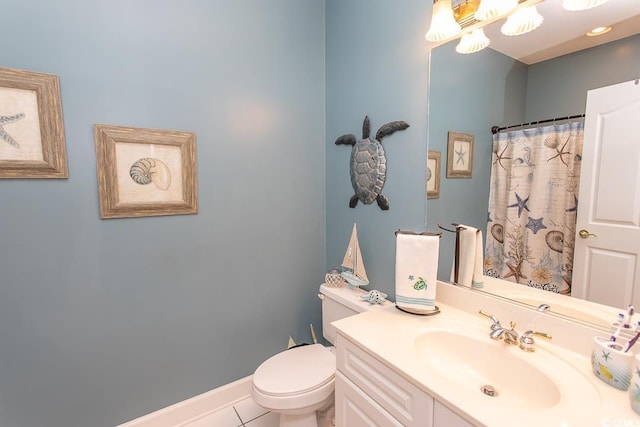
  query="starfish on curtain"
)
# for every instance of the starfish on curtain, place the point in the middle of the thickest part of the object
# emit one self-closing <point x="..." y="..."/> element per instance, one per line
<point x="520" y="204"/>
<point x="575" y="206"/>
<point x="560" y="152"/>
<point x="514" y="270"/>
<point x="500" y="157"/>
<point x="535" y="225"/>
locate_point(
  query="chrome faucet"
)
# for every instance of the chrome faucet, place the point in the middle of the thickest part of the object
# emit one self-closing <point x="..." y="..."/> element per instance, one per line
<point x="495" y="326"/>
<point x="527" y="342"/>
<point x="511" y="335"/>
<point x="498" y="332"/>
<point x="544" y="307"/>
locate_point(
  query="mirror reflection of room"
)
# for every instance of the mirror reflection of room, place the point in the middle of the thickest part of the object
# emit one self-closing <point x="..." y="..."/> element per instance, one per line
<point x="528" y="213"/>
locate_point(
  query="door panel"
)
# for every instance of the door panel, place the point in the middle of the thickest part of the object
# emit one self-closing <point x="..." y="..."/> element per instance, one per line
<point x="606" y="266"/>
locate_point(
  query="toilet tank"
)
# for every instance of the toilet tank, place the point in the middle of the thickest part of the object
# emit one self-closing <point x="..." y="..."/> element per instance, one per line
<point x="338" y="303"/>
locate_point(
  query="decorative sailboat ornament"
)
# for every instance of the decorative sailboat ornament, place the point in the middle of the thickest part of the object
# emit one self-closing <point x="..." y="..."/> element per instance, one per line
<point x="355" y="274"/>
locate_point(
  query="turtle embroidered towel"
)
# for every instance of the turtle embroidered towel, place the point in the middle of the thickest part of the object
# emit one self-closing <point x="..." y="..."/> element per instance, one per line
<point x="416" y="271"/>
<point x="468" y="258"/>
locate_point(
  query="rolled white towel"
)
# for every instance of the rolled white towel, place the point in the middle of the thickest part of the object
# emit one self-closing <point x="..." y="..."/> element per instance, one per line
<point x="470" y="257"/>
<point x="416" y="271"/>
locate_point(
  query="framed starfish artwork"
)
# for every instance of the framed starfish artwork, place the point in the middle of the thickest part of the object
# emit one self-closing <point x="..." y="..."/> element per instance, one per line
<point x="145" y="172"/>
<point x="32" y="141"/>
<point x="459" y="155"/>
<point x="433" y="174"/>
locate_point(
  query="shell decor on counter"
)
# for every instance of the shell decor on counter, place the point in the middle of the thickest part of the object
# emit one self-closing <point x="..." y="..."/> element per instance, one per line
<point x="374" y="297"/>
<point x="334" y="279"/>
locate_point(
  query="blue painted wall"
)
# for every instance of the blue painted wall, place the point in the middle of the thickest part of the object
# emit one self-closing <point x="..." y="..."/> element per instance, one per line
<point x="469" y="94"/>
<point x="102" y="321"/>
<point x="573" y="75"/>
<point x="376" y="65"/>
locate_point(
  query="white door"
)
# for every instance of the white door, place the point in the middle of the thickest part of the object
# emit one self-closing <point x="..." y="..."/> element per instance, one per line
<point x="606" y="262"/>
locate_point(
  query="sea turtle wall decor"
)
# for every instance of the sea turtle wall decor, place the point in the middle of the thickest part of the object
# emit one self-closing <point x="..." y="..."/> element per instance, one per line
<point x="368" y="163"/>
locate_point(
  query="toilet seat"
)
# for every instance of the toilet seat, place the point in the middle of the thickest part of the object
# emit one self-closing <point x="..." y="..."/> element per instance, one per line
<point x="294" y="372"/>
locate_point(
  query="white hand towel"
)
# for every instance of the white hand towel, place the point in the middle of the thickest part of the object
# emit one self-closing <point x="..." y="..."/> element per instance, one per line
<point x="416" y="271"/>
<point x="470" y="257"/>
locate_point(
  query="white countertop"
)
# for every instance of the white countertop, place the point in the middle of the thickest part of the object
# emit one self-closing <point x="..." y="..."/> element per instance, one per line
<point x="390" y="336"/>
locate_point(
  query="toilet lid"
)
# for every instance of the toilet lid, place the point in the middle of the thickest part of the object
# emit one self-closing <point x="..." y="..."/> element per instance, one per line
<point x="295" y="371"/>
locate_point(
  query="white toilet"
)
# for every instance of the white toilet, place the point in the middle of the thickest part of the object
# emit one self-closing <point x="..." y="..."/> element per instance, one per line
<point x="299" y="382"/>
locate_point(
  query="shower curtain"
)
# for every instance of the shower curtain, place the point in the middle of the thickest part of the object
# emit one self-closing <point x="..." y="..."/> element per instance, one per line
<point x="535" y="177"/>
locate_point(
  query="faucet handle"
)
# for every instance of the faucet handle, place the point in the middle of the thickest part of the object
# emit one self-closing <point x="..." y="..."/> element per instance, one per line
<point x="527" y="342"/>
<point x="511" y="335"/>
<point x="496" y="322"/>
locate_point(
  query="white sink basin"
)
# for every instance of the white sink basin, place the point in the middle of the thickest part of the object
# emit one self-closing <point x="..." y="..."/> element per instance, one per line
<point x="468" y="360"/>
<point x="474" y="363"/>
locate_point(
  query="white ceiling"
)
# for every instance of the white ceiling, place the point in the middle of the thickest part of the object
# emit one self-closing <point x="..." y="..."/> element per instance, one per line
<point x="563" y="32"/>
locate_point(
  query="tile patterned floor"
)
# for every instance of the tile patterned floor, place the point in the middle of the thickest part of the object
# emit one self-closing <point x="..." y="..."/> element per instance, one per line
<point x="244" y="413"/>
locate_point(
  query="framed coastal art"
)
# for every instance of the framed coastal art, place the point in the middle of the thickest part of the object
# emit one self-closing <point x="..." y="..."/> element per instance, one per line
<point x="32" y="142"/>
<point x="459" y="155"/>
<point x="145" y="172"/>
<point x="433" y="174"/>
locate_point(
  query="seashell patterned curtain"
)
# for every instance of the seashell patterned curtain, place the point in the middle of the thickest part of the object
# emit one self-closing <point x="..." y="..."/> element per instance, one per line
<point x="533" y="198"/>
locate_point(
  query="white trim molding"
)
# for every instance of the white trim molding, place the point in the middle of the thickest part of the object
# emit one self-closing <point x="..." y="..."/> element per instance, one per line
<point x="198" y="406"/>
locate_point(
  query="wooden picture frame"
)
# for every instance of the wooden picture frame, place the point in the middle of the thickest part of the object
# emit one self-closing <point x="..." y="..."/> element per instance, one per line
<point x="459" y="155"/>
<point x="434" y="160"/>
<point x="145" y="172"/>
<point x="32" y="141"/>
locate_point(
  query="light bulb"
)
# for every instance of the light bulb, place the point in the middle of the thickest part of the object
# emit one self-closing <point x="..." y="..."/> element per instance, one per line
<point x="489" y="9"/>
<point x="443" y="24"/>
<point x="472" y="42"/>
<point x="575" y="5"/>
<point x="521" y="22"/>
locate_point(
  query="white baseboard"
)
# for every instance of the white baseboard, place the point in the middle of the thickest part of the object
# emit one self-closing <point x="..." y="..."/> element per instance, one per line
<point x="197" y="406"/>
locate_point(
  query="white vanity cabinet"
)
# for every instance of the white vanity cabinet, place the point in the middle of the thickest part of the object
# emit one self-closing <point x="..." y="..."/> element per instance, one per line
<point x="445" y="417"/>
<point x="369" y="393"/>
<point x="355" y="409"/>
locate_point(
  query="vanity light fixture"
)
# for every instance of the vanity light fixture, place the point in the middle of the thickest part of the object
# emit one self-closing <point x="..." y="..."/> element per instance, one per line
<point x="452" y="17"/>
<point x="443" y="24"/>
<point x="598" y="31"/>
<point x="575" y="5"/>
<point x="491" y="8"/>
<point x="473" y="41"/>
<point x="522" y="21"/>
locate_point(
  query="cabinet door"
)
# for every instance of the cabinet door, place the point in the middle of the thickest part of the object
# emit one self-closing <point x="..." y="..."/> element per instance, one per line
<point x="445" y="417"/>
<point x="405" y="402"/>
<point x="356" y="409"/>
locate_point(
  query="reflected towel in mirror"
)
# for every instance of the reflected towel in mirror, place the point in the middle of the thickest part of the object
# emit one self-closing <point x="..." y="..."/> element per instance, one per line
<point x="469" y="258"/>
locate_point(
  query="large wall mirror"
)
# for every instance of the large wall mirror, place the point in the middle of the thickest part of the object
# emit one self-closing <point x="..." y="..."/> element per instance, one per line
<point x="537" y="76"/>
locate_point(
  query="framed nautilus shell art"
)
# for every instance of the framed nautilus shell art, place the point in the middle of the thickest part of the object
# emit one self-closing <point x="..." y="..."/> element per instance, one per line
<point x="145" y="172"/>
<point x="32" y="142"/>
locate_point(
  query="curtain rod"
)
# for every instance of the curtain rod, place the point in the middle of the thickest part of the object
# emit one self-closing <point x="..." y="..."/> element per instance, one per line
<point x="496" y="129"/>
